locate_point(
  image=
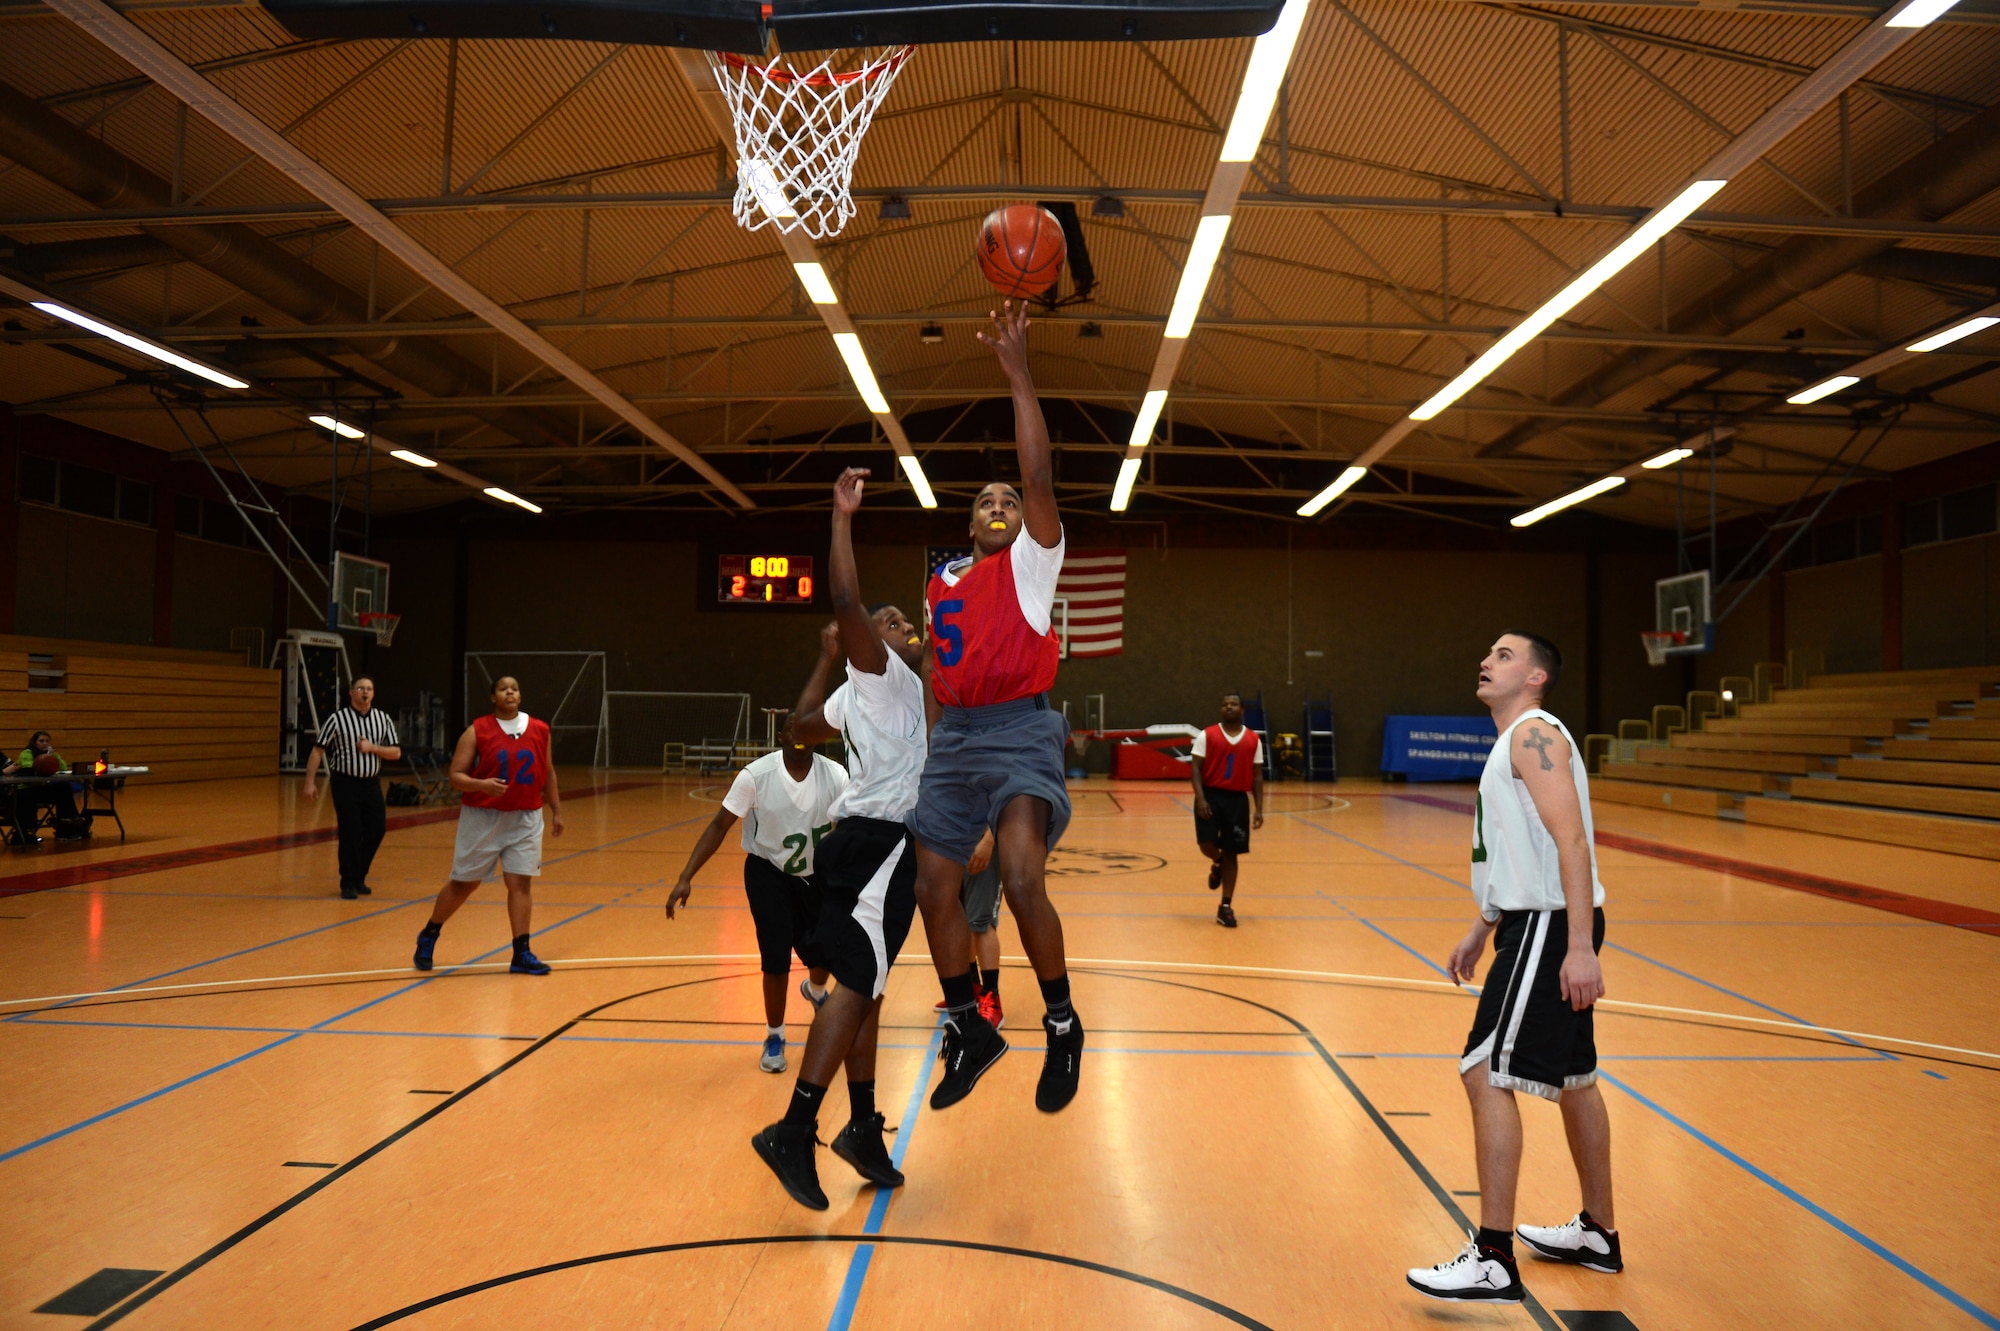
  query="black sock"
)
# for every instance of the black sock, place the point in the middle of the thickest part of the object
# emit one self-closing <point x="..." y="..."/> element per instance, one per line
<point x="803" y="1112"/>
<point x="993" y="982"/>
<point x="1055" y="994"/>
<point x="432" y="930"/>
<point x="520" y="944"/>
<point x="1499" y="1240"/>
<point x="860" y="1100"/>
<point x="961" y="996"/>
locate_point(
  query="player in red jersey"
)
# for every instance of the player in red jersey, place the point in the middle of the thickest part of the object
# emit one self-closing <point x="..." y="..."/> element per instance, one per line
<point x="996" y="749"/>
<point x="1228" y="776"/>
<point x="502" y="771"/>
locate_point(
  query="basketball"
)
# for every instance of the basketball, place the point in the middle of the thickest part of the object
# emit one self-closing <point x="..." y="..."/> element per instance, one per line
<point x="1021" y="249"/>
<point x="47" y="764"/>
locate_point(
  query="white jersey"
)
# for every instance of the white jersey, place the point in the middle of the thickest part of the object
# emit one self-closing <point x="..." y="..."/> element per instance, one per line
<point x="1514" y="861"/>
<point x="783" y="819"/>
<point x="882" y="719"/>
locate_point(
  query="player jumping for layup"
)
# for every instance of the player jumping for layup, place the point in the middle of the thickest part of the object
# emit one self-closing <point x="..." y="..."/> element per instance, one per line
<point x="1534" y="876"/>
<point x="996" y="755"/>
<point x="502" y="771"/>
<point x="867" y="871"/>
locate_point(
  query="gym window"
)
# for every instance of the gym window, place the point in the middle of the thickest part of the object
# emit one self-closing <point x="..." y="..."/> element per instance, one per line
<point x="86" y="490"/>
<point x="1952" y="517"/>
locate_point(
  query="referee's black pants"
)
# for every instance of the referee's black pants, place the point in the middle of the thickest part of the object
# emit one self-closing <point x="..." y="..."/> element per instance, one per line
<point x="363" y="820"/>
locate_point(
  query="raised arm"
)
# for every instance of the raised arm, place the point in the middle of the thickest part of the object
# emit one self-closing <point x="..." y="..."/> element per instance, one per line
<point x="1541" y="760"/>
<point x="808" y="724"/>
<point x="865" y="649"/>
<point x="1009" y="340"/>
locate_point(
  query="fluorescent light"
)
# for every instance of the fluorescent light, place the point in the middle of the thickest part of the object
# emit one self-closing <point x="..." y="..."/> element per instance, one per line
<point x="1953" y="334"/>
<point x="1591" y="491"/>
<point x="764" y="184"/>
<point x="1920" y="14"/>
<point x="813" y="276"/>
<point x="139" y="344"/>
<point x="1667" y="459"/>
<point x="414" y="459"/>
<point x="1121" y="493"/>
<point x="1332" y="492"/>
<point x="1202" y="254"/>
<point x="341" y="428"/>
<point x="1148" y="417"/>
<point x="1638" y="242"/>
<point x="857" y="366"/>
<point x="1825" y="388"/>
<point x="918" y="482"/>
<point x="1261" y="81"/>
<point x="495" y="492"/>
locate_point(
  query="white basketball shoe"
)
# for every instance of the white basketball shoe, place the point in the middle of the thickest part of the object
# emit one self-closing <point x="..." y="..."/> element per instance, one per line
<point x="1476" y="1275"/>
<point x="1582" y="1242"/>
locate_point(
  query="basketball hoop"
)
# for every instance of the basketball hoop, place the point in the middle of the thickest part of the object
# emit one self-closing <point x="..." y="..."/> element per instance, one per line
<point x="1657" y="645"/>
<point x="797" y="135"/>
<point x="382" y="624"/>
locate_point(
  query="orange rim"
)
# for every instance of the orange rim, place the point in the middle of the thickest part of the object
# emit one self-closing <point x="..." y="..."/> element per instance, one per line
<point x="888" y="65"/>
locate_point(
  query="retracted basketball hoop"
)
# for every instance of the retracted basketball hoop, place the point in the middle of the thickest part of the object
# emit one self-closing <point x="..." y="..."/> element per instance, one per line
<point x="382" y="624"/>
<point x="797" y="134"/>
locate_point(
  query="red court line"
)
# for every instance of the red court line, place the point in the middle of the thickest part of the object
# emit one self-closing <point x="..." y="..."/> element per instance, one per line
<point x="1859" y="894"/>
<point x="102" y="870"/>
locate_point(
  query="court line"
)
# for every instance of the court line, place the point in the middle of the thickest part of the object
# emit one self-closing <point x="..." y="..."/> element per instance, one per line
<point x="1743" y="998"/>
<point x="1916" y="1273"/>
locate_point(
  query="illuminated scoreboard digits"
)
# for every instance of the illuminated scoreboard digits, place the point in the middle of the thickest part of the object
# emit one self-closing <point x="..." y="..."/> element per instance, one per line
<point x="764" y="579"/>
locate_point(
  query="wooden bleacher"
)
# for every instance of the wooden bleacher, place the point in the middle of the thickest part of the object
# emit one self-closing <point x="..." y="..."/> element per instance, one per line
<point x="188" y="715"/>
<point x="1908" y="758"/>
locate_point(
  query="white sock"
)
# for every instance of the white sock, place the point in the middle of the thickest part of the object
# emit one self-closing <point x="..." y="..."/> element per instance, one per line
<point x="816" y="990"/>
<point x="778" y="1031"/>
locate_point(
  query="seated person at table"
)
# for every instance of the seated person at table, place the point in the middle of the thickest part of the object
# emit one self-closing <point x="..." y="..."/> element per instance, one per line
<point x="41" y="759"/>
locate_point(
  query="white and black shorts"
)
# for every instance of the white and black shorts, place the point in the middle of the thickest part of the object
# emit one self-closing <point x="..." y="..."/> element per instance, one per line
<point x="867" y="871"/>
<point x="511" y="836"/>
<point x="1526" y="1033"/>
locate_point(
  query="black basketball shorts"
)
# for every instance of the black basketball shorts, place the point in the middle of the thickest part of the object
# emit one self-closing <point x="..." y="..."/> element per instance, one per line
<point x="785" y="909"/>
<point x="1525" y="1032"/>
<point x="867" y="870"/>
<point x="1229" y="827"/>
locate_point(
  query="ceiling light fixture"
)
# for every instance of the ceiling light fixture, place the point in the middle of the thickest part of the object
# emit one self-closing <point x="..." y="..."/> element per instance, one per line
<point x="918" y="481"/>
<point x="895" y="208"/>
<point x="770" y="195"/>
<point x="1202" y="254"/>
<point x="1920" y="14"/>
<point x="341" y="428"/>
<point x="1667" y="459"/>
<point x="1121" y="493"/>
<point x="864" y="377"/>
<point x="1332" y="492"/>
<point x="1824" y="388"/>
<point x="495" y="492"/>
<point x="414" y="459"/>
<point x="1591" y="491"/>
<point x="813" y="277"/>
<point x="1642" y="238"/>
<point x="930" y="334"/>
<point x="1148" y="417"/>
<point x="1952" y="334"/>
<point x="139" y="344"/>
<point x="1262" y="78"/>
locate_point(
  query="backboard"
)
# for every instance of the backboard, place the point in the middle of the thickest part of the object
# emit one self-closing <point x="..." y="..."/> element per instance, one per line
<point x="360" y="587"/>
<point x="1684" y="607"/>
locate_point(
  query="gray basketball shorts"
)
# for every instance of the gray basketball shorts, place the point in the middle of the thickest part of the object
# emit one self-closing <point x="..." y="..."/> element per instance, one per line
<point x="981" y="758"/>
<point x="511" y="836"/>
<point x="980" y="895"/>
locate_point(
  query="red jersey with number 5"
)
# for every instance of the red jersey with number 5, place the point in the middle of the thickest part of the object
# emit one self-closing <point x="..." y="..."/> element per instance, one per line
<point x="984" y="649"/>
<point x="522" y="761"/>
<point x="1228" y="764"/>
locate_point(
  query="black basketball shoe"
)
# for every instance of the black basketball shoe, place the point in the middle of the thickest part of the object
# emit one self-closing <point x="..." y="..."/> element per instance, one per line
<point x="1214" y="876"/>
<point x="967" y="1055"/>
<point x="788" y="1150"/>
<point x="860" y="1144"/>
<point x="1061" y="1066"/>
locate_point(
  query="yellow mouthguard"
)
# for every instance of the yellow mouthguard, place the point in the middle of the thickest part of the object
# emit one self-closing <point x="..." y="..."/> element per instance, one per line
<point x="996" y="526"/>
<point x="914" y="640"/>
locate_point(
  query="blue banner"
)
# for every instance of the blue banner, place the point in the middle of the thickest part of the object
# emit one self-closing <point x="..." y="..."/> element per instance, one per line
<point x="1437" y="748"/>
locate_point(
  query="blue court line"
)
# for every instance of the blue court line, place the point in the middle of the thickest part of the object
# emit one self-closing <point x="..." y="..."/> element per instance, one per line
<point x="1378" y="929"/>
<point x="878" y="1210"/>
<point x="1742" y="998"/>
<point x="1922" y="1277"/>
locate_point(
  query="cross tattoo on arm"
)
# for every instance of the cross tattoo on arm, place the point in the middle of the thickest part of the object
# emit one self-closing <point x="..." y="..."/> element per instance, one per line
<point x="1540" y="743"/>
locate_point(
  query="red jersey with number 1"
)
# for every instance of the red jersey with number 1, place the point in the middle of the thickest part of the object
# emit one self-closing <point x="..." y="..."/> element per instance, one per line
<point x="522" y="761"/>
<point x="983" y="648"/>
<point x="1228" y="764"/>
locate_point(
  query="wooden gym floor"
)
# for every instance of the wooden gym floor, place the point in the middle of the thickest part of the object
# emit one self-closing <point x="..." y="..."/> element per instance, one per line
<point x="295" y="1130"/>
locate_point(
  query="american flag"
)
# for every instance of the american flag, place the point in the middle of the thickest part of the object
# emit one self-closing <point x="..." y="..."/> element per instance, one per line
<point x="1093" y="582"/>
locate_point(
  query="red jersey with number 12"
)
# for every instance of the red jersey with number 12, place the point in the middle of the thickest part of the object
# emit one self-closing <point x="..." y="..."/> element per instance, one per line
<point x="522" y="761"/>
<point x="983" y="649"/>
<point x="1228" y="764"/>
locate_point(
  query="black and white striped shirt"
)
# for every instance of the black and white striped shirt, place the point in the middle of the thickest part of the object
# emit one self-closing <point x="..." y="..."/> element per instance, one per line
<point x="340" y="734"/>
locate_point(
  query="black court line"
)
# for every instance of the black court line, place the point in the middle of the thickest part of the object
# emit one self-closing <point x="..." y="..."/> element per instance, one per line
<point x="433" y="1092"/>
<point x="311" y="1164"/>
<point x="1221" y="1310"/>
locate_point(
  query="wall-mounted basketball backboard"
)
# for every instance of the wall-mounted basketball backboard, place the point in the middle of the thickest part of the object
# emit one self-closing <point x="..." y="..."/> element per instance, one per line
<point x="360" y="587"/>
<point x="1683" y="606"/>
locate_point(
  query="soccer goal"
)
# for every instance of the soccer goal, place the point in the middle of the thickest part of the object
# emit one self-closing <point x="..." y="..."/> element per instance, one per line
<point x="678" y="732"/>
<point x="565" y="689"/>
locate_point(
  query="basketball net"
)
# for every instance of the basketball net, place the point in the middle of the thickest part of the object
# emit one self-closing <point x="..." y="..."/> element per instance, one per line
<point x="1657" y="645"/>
<point x="382" y="624"/>
<point x="797" y="135"/>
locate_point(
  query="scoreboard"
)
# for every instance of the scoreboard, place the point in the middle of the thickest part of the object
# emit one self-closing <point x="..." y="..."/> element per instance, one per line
<point x="764" y="580"/>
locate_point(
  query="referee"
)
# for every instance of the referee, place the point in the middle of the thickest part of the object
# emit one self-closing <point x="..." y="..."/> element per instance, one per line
<point x="354" y="741"/>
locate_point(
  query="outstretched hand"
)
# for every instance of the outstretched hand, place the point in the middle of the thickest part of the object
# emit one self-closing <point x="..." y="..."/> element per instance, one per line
<point x="1009" y="338"/>
<point x="847" y="490"/>
<point x="829" y="639"/>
